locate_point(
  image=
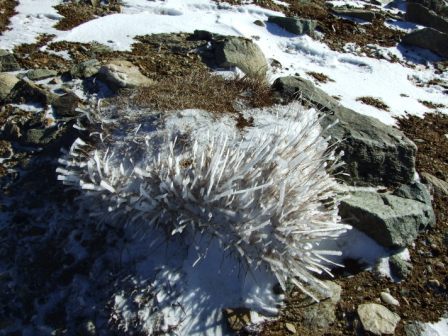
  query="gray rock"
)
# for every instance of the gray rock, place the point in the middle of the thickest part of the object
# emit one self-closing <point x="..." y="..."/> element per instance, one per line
<point x="439" y="186"/>
<point x="26" y="91"/>
<point x="390" y="220"/>
<point x="8" y="61"/>
<point x="374" y="153"/>
<point x="240" y="52"/>
<point x="428" y="38"/>
<point x="66" y="105"/>
<point x="7" y="82"/>
<point x="38" y="74"/>
<point x="420" y="14"/>
<point x="318" y="315"/>
<point x="399" y="267"/>
<point x="377" y="319"/>
<point x="357" y="13"/>
<point x="85" y="69"/>
<point x="415" y="191"/>
<point x="295" y="25"/>
<point x="123" y="74"/>
<point x="41" y="136"/>
<point x="438" y="6"/>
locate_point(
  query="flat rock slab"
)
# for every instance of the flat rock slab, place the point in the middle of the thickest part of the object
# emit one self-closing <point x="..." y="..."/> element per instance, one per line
<point x="374" y="153"/>
<point x="377" y="319"/>
<point x="390" y="220"/>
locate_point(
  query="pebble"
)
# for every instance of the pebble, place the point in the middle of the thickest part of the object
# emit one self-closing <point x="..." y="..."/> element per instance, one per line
<point x="389" y="299"/>
<point x="434" y="283"/>
<point x="290" y="327"/>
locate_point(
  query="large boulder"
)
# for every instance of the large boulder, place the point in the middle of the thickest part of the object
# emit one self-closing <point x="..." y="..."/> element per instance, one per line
<point x="377" y="319"/>
<point x="390" y="220"/>
<point x="428" y="38"/>
<point x="438" y="6"/>
<point x="231" y="51"/>
<point x="123" y="74"/>
<point x="8" y="61"/>
<point x="295" y="25"/>
<point x="374" y="153"/>
<point x="7" y="82"/>
<point x="420" y="14"/>
<point x="26" y="91"/>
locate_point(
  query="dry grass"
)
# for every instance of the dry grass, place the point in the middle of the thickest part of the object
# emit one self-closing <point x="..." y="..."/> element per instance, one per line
<point x="320" y="77"/>
<point x="77" y="13"/>
<point x="430" y="104"/>
<point x="201" y="90"/>
<point x="375" y="102"/>
<point x="7" y="9"/>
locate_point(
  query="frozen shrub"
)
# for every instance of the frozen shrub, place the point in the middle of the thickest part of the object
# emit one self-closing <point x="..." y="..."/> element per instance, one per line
<point x="265" y="192"/>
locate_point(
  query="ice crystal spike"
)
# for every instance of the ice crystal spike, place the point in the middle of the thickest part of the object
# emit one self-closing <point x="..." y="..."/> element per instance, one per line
<point x="263" y="192"/>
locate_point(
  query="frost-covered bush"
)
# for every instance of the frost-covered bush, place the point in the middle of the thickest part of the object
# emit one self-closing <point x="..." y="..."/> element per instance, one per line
<point x="265" y="191"/>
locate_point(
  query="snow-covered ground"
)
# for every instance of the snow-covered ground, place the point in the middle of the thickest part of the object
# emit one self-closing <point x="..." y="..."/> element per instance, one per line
<point x="353" y="77"/>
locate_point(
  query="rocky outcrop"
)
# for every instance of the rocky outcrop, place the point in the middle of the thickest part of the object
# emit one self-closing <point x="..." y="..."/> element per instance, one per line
<point x="85" y="69"/>
<point x="120" y="74"/>
<point x="377" y="319"/>
<point x="428" y="38"/>
<point x="390" y="220"/>
<point x="8" y="61"/>
<point x="438" y="6"/>
<point x="26" y="91"/>
<point x="295" y="25"/>
<point x="422" y="15"/>
<point x="7" y="82"/>
<point x="374" y="153"/>
<point x="242" y="53"/>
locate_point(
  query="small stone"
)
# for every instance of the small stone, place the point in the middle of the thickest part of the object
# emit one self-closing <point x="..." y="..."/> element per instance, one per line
<point x="237" y="318"/>
<point x="295" y="25"/>
<point x="389" y="299"/>
<point x="434" y="283"/>
<point x="377" y="319"/>
<point x="259" y="23"/>
<point x="39" y="74"/>
<point x="290" y="327"/>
